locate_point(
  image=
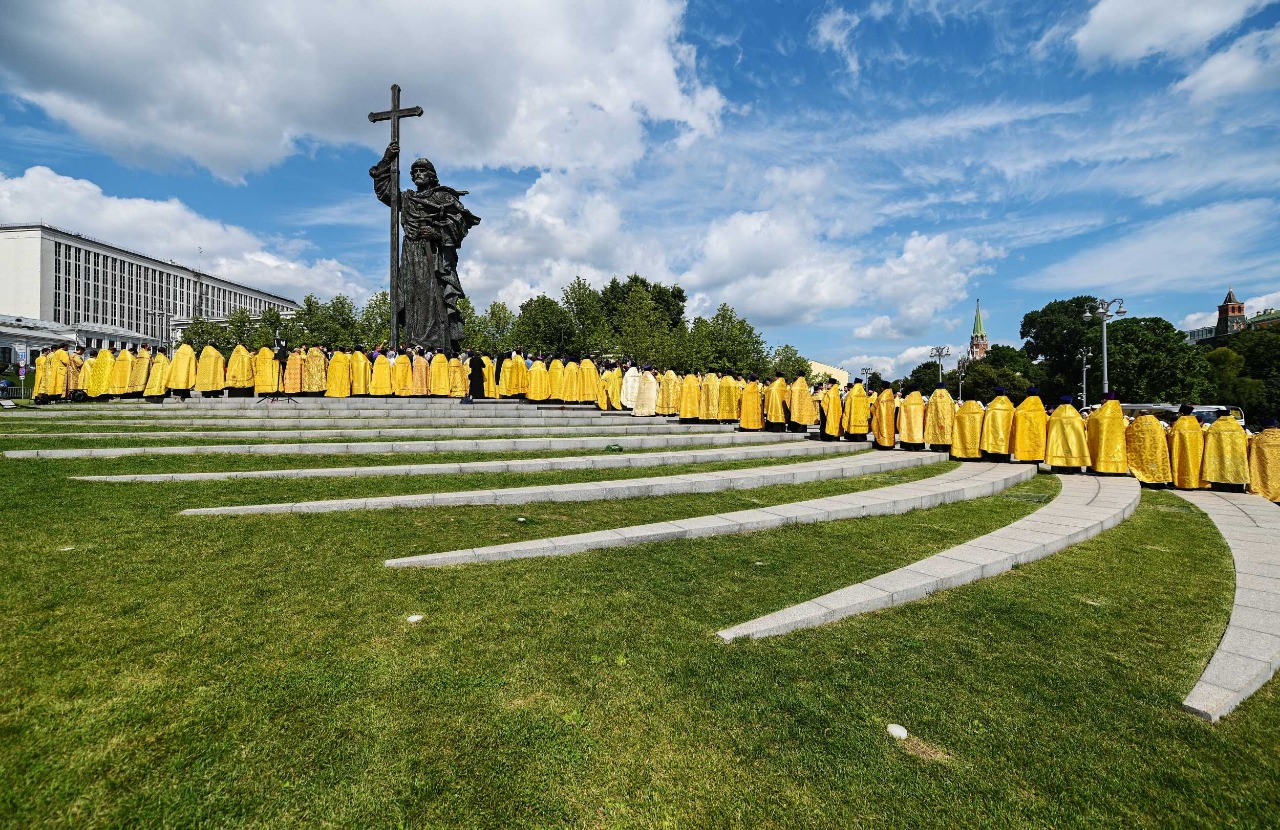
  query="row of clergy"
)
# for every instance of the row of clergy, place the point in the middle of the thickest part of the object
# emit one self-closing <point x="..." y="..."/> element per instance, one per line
<point x="1184" y="455"/>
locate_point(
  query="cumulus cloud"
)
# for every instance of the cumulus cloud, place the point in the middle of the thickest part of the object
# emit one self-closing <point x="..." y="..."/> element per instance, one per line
<point x="1124" y="31"/>
<point x="1198" y="320"/>
<point x="170" y="230"/>
<point x="834" y="32"/>
<point x="1184" y="251"/>
<point x="1251" y="64"/>
<point x="898" y="365"/>
<point x="931" y="274"/>
<point x="236" y="87"/>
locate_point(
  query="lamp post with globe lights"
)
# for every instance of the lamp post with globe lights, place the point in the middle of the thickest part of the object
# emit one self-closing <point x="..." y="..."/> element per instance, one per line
<point x="1103" y="310"/>
<point x="866" y="373"/>
<point x="1085" y="357"/>
<point x="961" y="365"/>
<point x="938" y="353"/>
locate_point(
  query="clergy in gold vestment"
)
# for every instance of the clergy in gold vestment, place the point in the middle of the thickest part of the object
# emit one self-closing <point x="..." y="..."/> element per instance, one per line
<point x="506" y="377"/>
<point x="801" y="413"/>
<point x="421" y="373"/>
<point x="614" y="388"/>
<point x="709" y="403"/>
<point x="380" y="383"/>
<point x="690" y="398"/>
<point x="669" y="394"/>
<point x="1147" y="450"/>
<point x="571" y="386"/>
<point x="182" y="369"/>
<point x="401" y="374"/>
<point x="777" y="397"/>
<point x="832" y="413"/>
<point x="884" y="419"/>
<point x="1066" y="445"/>
<point x="315" y="372"/>
<point x="1226" y="453"/>
<point x="293" y="372"/>
<point x="911" y="421"/>
<point x="266" y="372"/>
<point x="939" y="419"/>
<point x="727" y="399"/>
<point x="522" y="374"/>
<point x="602" y="391"/>
<point x="589" y="381"/>
<point x="539" y="383"/>
<point x="966" y="434"/>
<point x="439" y="375"/>
<point x="37" y="385"/>
<point x="997" y="425"/>
<point x="141" y="368"/>
<point x="75" y="367"/>
<point x="857" y="413"/>
<point x="490" y="377"/>
<point x="646" y="394"/>
<point x="240" y="369"/>
<point x="338" y="383"/>
<point x="55" y="370"/>
<point x="121" y="371"/>
<point x="1106" y="431"/>
<point x="1264" y="462"/>
<point x="211" y="371"/>
<point x="752" y="406"/>
<point x="457" y="378"/>
<point x="157" y="376"/>
<point x="361" y="372"/>
<point x="555" y="379"/>
<point x="1186" y="450"/>
<point x="1030" y="426"/>
<point x="99" y="382"/>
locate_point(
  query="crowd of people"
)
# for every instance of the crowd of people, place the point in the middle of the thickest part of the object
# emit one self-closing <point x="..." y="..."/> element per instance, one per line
<point x="1185" y="454"/>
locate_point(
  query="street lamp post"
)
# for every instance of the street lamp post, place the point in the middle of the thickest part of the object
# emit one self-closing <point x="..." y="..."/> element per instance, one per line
<point x="937" y="353"/>
<point x="866" y="373"/>
<point x="1102" y="308"/>
<point x="1085" y="356"/>
<point x="961" y="365"/>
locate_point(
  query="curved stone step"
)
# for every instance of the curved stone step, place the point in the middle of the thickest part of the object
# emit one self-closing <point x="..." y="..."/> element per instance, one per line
<point x="1086" y="506"/>
<point x="791" y="449"/>
<point x="687" y="439"/>
<point x="970" y="481"/>
<point x="339" y="423"/>
<point x="374" y="432"/>
<point x="1249" y="653"/>
<point x="632" y="488"/>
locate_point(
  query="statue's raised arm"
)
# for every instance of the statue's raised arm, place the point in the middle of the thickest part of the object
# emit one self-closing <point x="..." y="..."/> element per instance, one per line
<point x="385" y="174"/>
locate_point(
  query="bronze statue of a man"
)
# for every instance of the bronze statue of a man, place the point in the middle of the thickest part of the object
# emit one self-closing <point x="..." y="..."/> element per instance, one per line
<point x="427" y="287"/>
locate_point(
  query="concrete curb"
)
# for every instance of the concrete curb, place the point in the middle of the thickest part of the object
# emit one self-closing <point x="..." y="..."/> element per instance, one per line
<point x="1249" y="653"/>
<point x="713" y="482"/>
<point x="374" y="432"/>
<point x="968" y="482"/>
<point x="1085" y="507"/>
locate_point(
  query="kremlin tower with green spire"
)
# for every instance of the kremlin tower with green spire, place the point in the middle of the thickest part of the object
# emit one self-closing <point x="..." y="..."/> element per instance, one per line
<point x="978" y="340"/>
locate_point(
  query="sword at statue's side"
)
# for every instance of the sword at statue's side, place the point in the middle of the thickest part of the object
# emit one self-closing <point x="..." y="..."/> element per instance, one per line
<point x="394" y="115"/>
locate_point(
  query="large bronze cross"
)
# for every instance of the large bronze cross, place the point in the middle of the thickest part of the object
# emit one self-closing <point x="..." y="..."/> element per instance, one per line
<point x="394" y="115"/>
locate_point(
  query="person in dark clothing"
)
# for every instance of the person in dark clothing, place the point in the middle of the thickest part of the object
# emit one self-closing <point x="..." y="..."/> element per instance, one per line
<point x="477" y="379"/>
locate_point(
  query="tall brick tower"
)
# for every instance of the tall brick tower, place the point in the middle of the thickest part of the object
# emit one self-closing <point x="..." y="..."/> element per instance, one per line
<point x="978" y="340"/>
<point x="1230" y="315"/>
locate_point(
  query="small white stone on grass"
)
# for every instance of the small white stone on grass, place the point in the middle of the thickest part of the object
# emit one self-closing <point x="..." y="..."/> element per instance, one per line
<point x="521" y="520"/>
<point x="413" y="618"/>
<point x="67" y="548"/>
<point x="898" y="731"/>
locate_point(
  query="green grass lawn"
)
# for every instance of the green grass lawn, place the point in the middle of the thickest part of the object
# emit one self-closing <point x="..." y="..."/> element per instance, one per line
<point x="161" y="670"/>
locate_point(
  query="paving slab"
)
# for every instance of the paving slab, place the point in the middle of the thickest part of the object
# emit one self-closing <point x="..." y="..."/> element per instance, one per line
<point x="1249" y="653"/>
<point x="1097" y="500"/>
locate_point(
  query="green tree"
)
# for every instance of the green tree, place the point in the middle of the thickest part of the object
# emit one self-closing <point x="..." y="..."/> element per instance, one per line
<point x="240" y="326"/>
<point x="592" y="333"/>
<point x="924" y="376"/>
<point x="787" y="361"/>
<point x="1260" y="349"/>
<point x="982" y="378"/>
<point x="375" y="320"/>
<point x="542" y="326"/>
<point x="670" y="299"/>
<point x="1150" y="361"/>
<point x="644" y="331"/>
<point x="201" y="332"/>
<point x="1230" y="383"/>
<point x="491" y="332"/>
<point x="1054" y="338"/>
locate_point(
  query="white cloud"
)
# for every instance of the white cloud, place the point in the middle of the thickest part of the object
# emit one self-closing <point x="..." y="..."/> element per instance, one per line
<point x="930" y="275"/>
<point x="834" y="32"/>
<point x="880" y="328"/>
<point x="1124" y="31"/>
<point x="1208" y="245"/>
<point x="1262" y="302"/>
<point x="966" y="121"/>
<point x="236" y="87"/>
<point x="1199" y="319"/>
<point x="170" y="230"/>
<point x="1251" y="64"/>
<point x="898" y="365"/>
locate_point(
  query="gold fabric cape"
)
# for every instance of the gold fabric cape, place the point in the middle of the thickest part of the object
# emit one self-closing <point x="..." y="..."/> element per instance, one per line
<point x="589" y="381"/>
<point x="539" y="383"/>
<point x="141" y="368"/>
<point x="99" y="381"/>
<point x="421" y="375"/>
<point x="182" y="369"/>
<point x="883" y="419"/>
<point x="832" y="411"/>
<point x="709" y="400"/>
<point x="211" y="371"/>
<point x="857" y="411"/>
<point x="1107" y="441"/>
<point x="361" y="373"/>
<point x="293" y="372"/>
<point x="402" y="375"/>
<point x="966" y="434"/>
<point x="691" y="398"/>
<point x="777" y="396"/>
<point x="997" y="427"/>
<point x="555" y="379"/>
<point x="266" y="372"/>
<point x="801" y="410"/>
<point x="439" y="374"/>
<point x="1147" y="450"/>
<point x="338" y="383"/>
<point x="157" y="378"/>
<point x="1226" y="453"/>
<point x="315" y="371"/>
<point x="1066" y="445"/>
<point x="1264" y="464"/>
<point x="120" y="373"/>
<point x="752" y="406"/>
<point x="1028" y="433"/>
<point x="939" y="418"/>
<point x="1186" y="453"/>
<point x="240" y="369"/>
<point x="380" y="384"/>
<point x="911" y="419"/>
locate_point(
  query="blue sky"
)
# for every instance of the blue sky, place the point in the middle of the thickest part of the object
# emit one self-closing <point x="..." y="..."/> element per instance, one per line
<point x="849" y="175"/>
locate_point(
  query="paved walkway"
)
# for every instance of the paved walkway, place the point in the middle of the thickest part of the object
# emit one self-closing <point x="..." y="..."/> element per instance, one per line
<point x="1249" y="653"/>
<point x="1086" y="506"/>
<point x="689" y="438"/>
<point x="602" y="428"/>
<point x="760" y="452"/>
<point x="970" y="481"/>
<point x="712" y="482"/>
